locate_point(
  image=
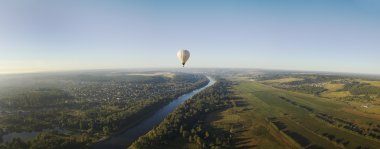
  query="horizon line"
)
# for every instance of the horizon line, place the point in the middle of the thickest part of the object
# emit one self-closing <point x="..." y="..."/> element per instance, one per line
<point x="181" y="68"/>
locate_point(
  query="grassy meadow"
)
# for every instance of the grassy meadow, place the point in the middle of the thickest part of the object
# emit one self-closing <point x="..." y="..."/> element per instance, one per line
<point x="266" y="117"/>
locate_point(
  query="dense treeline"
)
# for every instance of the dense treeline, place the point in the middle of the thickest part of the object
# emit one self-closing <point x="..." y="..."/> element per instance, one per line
<point x="357" y="88"/>
<point x="49" y="140"/>
<point x="281" y="126"/>
<point x="371" y="130"/>
<point x="91" y="109"/>
<point x="270" y="77"/>
<point x="313" y="79"/>
<point x="297" y="104"/>
<point x="184" y="121"/>
<point x="306" y="78"/>
<point x="309" y="84"/>
<point x="314" y="84"/>
<point x="38" y="98"/>
<point x="307" y="89"/>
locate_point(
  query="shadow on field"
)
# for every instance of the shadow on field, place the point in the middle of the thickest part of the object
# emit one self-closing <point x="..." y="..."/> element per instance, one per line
<point x="214" y="116"/>
<point x="246" y="146"/>
<point x="241" y="131"/>
<point x="241" y="103"/>
<point x="241" y="143"/>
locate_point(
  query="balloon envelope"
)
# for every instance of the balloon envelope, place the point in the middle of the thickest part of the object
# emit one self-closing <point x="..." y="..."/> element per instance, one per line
<point x="183" y="56"/>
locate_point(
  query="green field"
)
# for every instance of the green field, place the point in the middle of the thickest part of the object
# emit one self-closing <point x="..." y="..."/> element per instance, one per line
<point x="358" y="93"/>
<point x="283" y="80"/>
<point x="373" y="83"/>
<point x="266" y="114"/>
<point x="333" y="91"/>
<point x="261" y="105"/>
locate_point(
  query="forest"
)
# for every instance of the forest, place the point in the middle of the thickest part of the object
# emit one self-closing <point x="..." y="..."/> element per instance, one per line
<point x="186" y="122"/>
<point x="85" y="108"/>
<point x="358" y="88"/>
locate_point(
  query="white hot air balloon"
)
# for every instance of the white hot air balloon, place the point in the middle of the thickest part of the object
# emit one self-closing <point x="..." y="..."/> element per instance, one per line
<point x="183" y="56"/>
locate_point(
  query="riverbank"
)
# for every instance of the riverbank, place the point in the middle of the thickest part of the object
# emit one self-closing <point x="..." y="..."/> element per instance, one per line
<point x="122" y="140"/>
<point x="185" y="125"/>
<point x="96" y="108"/>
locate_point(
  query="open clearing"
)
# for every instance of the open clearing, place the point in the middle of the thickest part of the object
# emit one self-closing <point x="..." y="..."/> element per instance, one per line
<point x="283" y="80"/>
<point x="373" y="83"/>
<point x="333" y="87"/>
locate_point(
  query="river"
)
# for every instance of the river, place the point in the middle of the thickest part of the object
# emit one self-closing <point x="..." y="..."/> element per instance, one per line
<point x="126" y="138"/>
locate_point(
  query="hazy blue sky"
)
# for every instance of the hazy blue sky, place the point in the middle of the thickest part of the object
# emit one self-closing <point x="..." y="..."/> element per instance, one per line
<point x="329" y="35"/>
